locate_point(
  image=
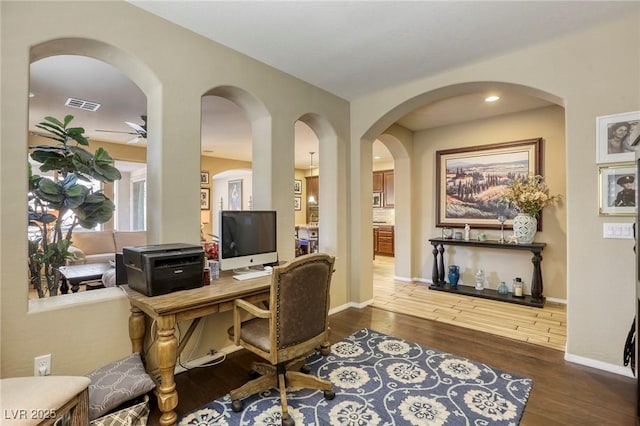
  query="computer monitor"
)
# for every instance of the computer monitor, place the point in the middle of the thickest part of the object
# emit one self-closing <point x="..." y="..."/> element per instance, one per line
<point x="247" y="238"/>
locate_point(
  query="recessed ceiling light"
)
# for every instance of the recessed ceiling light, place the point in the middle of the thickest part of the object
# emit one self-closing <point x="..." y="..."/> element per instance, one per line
<point x="31" y="94"/>
<point x="491" y="98"/>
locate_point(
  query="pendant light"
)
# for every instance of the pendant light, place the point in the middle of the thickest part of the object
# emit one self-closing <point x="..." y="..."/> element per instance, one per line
<point x="311" y="198"/>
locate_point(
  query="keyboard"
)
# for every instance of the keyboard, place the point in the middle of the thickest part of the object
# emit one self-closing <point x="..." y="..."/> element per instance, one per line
<point x="250" y="275"/>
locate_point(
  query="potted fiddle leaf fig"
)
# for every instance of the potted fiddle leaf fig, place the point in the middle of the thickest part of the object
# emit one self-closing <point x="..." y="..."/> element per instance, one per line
<point x="51" y="199"/>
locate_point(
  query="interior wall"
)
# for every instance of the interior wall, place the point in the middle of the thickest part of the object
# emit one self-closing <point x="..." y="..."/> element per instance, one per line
<point x="78" y="332"/>
<point x="498" y="265"/>
<point x="600" y="273"/>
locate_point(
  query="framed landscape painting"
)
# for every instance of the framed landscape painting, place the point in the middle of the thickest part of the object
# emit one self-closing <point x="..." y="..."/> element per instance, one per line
<point x="470" y="181"/>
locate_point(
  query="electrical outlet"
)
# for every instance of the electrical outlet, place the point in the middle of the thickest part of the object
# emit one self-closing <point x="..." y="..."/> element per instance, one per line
<point x="42" y="365"/>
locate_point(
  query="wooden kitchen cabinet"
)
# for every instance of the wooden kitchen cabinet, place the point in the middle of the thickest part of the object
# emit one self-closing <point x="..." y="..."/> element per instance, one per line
<point x="389" y="199"/>
<point x="378" y="185"/>
<point x="383" y="240"/>
<point x="383" y="181"/>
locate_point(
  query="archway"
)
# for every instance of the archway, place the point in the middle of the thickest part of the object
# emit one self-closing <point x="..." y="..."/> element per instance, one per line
<point x="63" y="69"/>
<point x="421" y="162"/>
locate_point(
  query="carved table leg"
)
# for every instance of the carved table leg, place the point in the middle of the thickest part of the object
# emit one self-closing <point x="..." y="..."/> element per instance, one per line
<point x="435" y="277"/>
<point x="441" y="266"/>
<point x="536" y="279"/>
<point x="136" y="329"/>
<point x="167" y="350"/>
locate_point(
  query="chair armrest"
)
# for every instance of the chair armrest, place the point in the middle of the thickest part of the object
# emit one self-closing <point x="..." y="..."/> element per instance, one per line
<point x="251" y="308"/>
<point x="240" y="304"/>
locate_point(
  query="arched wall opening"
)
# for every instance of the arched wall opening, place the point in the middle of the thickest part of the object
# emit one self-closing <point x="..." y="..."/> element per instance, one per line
<point x="421" y="179"/>
<point x="72" y="62"/>
<point x="328" y="190"/>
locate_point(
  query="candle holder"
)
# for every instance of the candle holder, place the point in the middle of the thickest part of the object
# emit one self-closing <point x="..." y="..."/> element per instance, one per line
<point x="502" y="219"/>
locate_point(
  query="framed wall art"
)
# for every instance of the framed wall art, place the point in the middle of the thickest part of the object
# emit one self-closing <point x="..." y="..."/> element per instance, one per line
<point x="235" y="194"/>
<point x="297" y="186"/>
<point x="204" y="178"/>
<point x="377" y="199"/>
<point x="617" y="137"/>
<point x="297" y="203"/>
<point x="470" y="181"/>
<point x="205" y="198"/>
<point x="617" y="190"/>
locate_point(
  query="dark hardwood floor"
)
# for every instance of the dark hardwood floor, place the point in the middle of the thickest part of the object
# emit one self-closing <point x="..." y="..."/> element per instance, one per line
<point x="563" y="393"/>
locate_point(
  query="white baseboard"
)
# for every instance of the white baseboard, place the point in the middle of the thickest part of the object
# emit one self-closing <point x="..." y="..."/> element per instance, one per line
<point x="403" y="279"/>
<point x="350" y="305"/>
<point x="605" y="366"/>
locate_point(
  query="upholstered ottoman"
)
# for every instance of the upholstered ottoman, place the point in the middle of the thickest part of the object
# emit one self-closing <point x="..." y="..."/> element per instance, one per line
<point x="41" y="400"/>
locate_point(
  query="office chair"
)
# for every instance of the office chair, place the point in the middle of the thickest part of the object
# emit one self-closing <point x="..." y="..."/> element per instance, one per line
<point x="295" y="324"/>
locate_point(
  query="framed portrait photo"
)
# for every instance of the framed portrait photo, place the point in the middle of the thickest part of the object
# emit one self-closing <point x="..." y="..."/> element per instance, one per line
<point x="205" y="198"/>
<point x="297" y="186"/>
<point x="617" y="137"/>
<point x="377" y="199"/>
<point x="617" y="190"/>
<point x="204" y="178"/>
<point x="470" y="181"/>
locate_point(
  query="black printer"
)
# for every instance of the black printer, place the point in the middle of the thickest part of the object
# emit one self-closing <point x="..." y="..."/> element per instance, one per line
<point x="163" y="268"/>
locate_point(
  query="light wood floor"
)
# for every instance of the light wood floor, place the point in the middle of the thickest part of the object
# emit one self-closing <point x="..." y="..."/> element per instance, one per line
<point x="545" y="327"/>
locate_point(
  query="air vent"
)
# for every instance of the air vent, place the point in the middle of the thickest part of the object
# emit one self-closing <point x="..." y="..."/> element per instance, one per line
<point x="80" y="104"/>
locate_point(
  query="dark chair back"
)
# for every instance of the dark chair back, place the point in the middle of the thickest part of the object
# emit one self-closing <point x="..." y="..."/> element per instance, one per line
<point x="300" y="296"/>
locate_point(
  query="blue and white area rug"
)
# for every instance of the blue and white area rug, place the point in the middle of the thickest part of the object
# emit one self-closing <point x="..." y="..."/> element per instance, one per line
<point x="384" y="380"/>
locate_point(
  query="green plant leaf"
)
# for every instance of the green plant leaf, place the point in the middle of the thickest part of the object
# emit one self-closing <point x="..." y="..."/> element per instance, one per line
<point x="67" y="120"/>
<point x="56" y="121"/>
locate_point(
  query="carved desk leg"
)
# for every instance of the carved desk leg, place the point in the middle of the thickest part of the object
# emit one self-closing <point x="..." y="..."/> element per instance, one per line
<point x="136" y="329"/>
<point x="536" y="280"/>
<point x="167" y="351"/>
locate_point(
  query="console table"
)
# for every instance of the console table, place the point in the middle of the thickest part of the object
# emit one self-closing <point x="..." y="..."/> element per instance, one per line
<point x="438" y="273"/>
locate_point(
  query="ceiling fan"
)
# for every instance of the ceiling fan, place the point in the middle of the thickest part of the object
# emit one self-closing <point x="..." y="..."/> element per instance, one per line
<point x="140" y="131"/>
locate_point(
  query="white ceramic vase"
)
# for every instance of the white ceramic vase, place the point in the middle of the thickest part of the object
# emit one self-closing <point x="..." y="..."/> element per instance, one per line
<point x="524" y="228"/>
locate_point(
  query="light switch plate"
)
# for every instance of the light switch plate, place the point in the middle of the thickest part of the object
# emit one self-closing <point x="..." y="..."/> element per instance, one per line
<point x="622" y="231"/>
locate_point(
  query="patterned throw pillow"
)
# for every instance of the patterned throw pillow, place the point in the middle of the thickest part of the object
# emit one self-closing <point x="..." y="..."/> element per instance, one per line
<point x="116" y="383"/>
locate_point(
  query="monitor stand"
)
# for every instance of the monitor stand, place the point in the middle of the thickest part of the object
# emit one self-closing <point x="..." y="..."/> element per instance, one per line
<point x="247" y="269"/>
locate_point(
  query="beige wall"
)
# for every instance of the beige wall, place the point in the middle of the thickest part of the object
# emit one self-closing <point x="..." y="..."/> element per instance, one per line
<point x="82" y="334"/>
<point x="590" y="74"/>
<point x="499" y="265"/>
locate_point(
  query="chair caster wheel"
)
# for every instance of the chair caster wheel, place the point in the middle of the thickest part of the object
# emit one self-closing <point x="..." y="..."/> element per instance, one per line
<point x="288" y="421"/>
<point x="237" y="405"/>
<point x="305" y="369"/>
<point x="329" y="395"/>
<point x="253" y="374"/>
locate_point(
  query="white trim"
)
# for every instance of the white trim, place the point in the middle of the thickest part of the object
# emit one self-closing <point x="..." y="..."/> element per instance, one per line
<point x="555" y="300"/>
<point x="605" y="366"/>
<point x="350" y="305"/>
<point x="64" y="301"/>
<point x="403" y="279"/>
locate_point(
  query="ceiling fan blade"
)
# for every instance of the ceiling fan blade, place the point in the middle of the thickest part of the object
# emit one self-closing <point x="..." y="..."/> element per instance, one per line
<point x="116" y="131"/>
<point x="138" y="128"/>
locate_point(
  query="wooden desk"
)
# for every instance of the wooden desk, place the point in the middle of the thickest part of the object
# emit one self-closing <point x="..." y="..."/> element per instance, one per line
<point x="169" y="309"/>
